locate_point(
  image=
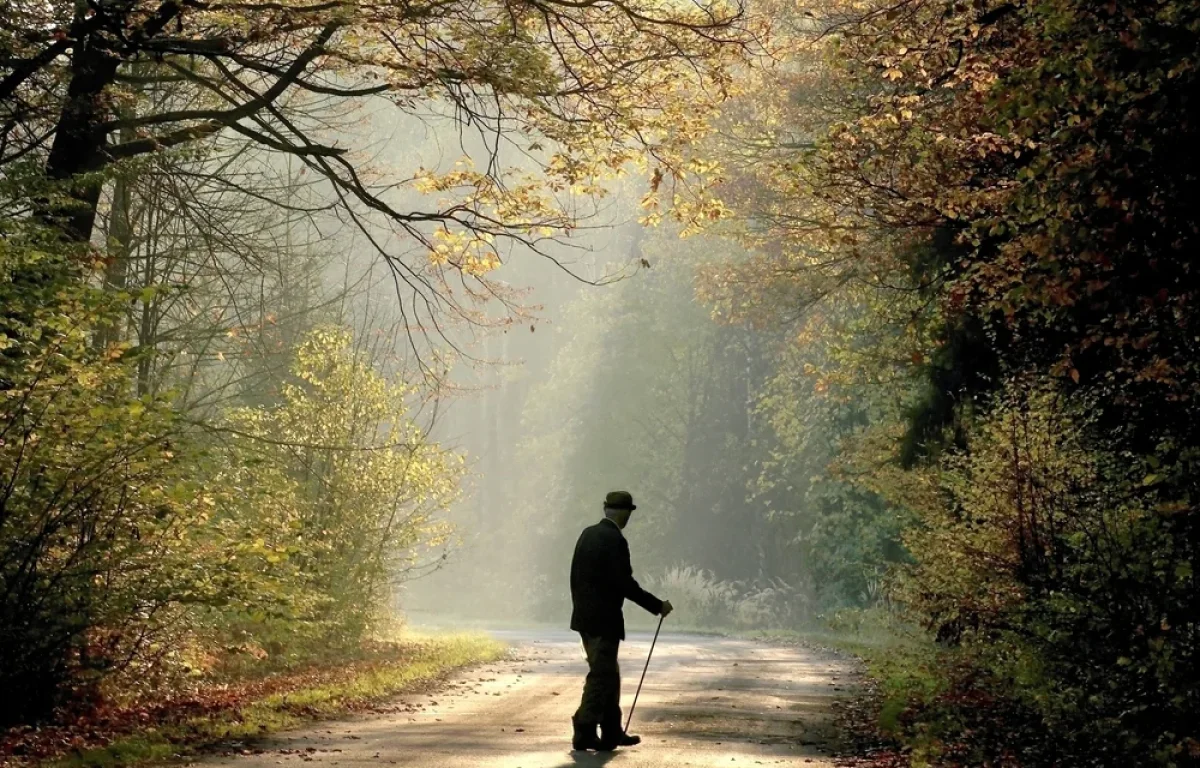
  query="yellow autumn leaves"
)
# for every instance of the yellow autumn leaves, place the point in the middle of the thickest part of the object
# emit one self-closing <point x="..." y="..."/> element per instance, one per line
<point x="353" y="484"/>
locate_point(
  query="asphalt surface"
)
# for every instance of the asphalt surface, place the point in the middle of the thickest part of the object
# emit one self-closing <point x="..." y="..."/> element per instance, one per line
<point x="706" y="702"/>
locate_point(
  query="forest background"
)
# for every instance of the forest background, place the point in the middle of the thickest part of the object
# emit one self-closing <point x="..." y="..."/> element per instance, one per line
<point x="911" y="343"/>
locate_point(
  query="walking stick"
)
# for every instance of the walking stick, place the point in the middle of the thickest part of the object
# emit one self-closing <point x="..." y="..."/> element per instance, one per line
<point x="639" y="688"/>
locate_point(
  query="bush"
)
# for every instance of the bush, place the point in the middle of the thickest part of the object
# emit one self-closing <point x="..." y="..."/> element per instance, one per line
<point x="136" y="551"/>
<point x="702" y="600"/>
<point x="699" y="597"/>
<point x="102" y="521"/>
<point x="1064" y="574"/>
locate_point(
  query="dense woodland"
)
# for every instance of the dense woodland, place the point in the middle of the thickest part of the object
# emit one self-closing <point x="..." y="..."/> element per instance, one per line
<point x="906" y="338"/>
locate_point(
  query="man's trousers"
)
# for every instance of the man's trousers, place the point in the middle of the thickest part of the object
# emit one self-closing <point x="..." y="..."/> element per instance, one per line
<point x="601" y="702"/>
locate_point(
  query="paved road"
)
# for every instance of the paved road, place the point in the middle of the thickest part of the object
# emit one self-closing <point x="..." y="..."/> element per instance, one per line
<point x="706" y="702"/>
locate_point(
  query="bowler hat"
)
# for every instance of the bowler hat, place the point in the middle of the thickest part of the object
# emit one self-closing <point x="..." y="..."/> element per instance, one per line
<point x="619" y="500"/>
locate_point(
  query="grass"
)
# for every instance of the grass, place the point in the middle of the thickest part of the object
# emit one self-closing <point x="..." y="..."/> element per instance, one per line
<point x="426" y="659"/>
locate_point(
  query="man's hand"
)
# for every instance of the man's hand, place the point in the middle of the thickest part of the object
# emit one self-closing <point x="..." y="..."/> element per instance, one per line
<point x="666" y="609"/>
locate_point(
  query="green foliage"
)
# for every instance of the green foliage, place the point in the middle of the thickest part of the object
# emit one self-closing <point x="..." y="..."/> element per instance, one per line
<point x="994" y="193"/>
<point x="1055" y="562"/>
<point x="337" y="491"/>
<point x="100" y="519"/>
<point x="819" y="409"/>
<point x="134" y="549"/>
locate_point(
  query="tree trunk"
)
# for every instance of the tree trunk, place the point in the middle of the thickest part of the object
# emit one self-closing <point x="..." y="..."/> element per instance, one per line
<point x="120" y="247"/>
<point x="79" y="143"/>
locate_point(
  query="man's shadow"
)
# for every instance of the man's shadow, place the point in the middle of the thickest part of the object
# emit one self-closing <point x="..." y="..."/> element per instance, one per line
<point x="585" y="759"/>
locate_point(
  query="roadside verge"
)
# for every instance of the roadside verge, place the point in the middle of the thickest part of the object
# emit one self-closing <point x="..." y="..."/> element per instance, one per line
<point x="232" y="717"/>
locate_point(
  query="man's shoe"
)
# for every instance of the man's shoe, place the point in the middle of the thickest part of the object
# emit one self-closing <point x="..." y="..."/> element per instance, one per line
<point x="585" y="737"/>
<point x="611" y="738"/>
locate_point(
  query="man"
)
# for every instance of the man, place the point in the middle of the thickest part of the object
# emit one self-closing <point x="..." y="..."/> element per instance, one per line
<point x="601" y="579"/>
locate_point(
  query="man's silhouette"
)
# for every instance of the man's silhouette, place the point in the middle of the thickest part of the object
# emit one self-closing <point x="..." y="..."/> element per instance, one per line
<point x="601" y="579"/>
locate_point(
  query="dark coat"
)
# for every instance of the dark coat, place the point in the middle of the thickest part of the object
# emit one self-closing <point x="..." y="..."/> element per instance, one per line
<point x="601" y="579"/>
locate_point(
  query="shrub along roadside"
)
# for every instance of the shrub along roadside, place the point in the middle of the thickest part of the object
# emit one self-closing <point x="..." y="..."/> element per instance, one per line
<point x="237" y="713"/>
<point x="925" y="704"/>
<point x="928" y="707"/>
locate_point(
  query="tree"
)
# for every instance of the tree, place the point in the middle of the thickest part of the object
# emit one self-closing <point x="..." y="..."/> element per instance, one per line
<point x="361" y="484"/>
<point x="1013" y="173"/>
<point x="571" y="90"/>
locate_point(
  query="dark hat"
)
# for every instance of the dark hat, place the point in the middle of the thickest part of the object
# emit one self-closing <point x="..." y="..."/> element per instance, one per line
<point x="619" y="500"/>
